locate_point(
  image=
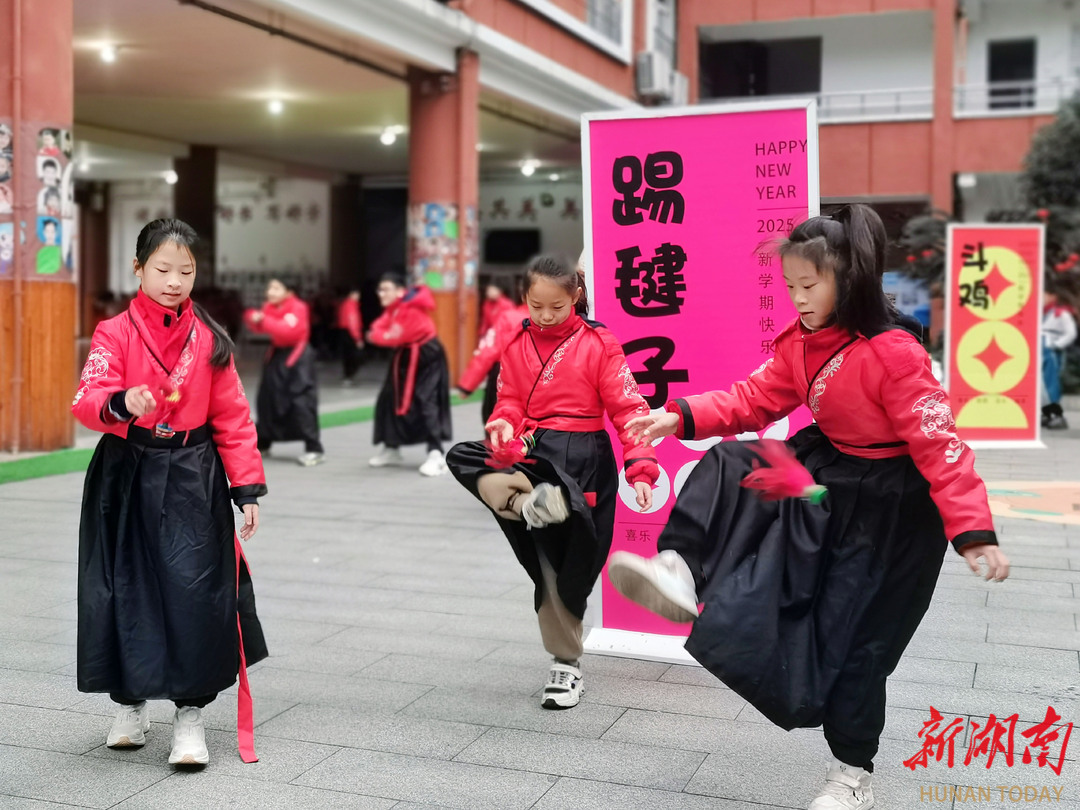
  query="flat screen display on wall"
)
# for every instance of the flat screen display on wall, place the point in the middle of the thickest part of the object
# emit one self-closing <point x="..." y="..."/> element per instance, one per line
<point x="511" y="245"/>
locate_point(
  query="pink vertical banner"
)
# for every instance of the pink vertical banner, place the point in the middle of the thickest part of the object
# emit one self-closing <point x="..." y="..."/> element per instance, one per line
<point x="683" y="208"/>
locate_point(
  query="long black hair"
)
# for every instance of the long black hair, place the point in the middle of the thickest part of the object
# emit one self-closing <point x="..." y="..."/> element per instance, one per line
<point x="154" y="235"/>
<point x="558" y="269"/>
<point x="851" y="245"/>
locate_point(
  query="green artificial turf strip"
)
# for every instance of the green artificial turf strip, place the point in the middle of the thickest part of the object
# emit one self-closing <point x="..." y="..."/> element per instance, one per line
<point x="77" y="460"/>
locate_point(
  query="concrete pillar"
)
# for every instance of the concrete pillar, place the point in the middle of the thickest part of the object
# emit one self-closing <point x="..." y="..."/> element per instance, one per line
<point x="195" y="202"/>
<point x="38" y="239"/>
<point x="943" y="127"/>
<point x="442" y="240"/>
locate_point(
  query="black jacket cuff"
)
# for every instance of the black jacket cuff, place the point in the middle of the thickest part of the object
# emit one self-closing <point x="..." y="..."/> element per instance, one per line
<point x="249" y="493"/>
<point x="982" y="536"/>
<point x="687" y="417"/>
<point x="118" y="405"/>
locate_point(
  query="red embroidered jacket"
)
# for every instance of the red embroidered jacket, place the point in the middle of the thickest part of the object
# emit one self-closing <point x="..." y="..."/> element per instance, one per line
<point x="491" y="311"/>
<point x="348" y="318"/>
<point x="407" y="321"/>
<point x="872" y="398"/>
<point x="288" y="324"/>
<point x="564" y="378"/>
<point x="149" y="345"/>
<point x="492" y="344"/>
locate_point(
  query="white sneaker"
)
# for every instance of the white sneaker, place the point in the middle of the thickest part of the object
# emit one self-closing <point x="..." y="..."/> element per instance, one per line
<point x="188" y="738"/>
<point x="662" y="584"/>
<point x="130" y="727"/>
<point x="846" y="788"/>
<point x="311" y="459"/>
<point x="564" y="688"/>
<point x="544" y="505"/>
<point x="387" y="457"/>
<point x="435" y="464"/>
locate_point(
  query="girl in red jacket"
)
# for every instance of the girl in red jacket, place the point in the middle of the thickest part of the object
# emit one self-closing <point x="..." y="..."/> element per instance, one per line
<point x="807" y="609"/>
<point x="496" y="302"/>
<point x="350" y="335"/>
<point x="288" y="399"/>
<point x="414" y="404"/>
<point x="485" y="360"/>
<point x="166" y="607"/>
<point x="556" y="506"/>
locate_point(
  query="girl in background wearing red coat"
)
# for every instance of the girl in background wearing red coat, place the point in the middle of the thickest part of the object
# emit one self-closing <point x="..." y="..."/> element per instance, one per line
<point x="496" y="302"/>
<point x="807" y="609"/>
<point x="556" y="506"/>
<point x="414" y="404"/>
<point x="288" y="399"/>
<point x="166" y="607"/>
<point x="485" y="360"/>
<point x="351" y="336"/>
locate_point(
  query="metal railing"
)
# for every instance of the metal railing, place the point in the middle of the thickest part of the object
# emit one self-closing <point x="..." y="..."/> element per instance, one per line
<point x="1013" y="98"/>
<point x="899" y="104"/>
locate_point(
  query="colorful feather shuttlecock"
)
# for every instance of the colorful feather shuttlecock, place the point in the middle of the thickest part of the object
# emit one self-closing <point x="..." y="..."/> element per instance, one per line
<point x="785" y="477"/>
<point x="515" y="451"/>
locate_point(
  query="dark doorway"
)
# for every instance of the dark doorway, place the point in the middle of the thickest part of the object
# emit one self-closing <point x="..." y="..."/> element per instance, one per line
<point x="1010" y="62"/>
<point x="776" y="67"/>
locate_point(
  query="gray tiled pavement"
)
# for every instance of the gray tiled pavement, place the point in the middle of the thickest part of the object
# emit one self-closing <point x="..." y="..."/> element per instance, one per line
<point x="406" y="668"/>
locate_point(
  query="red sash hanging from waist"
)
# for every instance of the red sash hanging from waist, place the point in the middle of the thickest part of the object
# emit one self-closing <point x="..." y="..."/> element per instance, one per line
<point x="245" y="709"/>
<point x="403" y="399"/>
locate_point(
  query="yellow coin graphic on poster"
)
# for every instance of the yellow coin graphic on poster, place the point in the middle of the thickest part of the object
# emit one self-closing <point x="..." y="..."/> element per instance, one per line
<point x="991" y="410"/>
<point x="997" y="286"/>
<point x="993" y="356"/>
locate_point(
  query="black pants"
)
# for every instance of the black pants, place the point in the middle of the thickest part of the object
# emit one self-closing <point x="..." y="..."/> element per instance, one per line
<point x="844" y="586"/>
<point x="352" y="356"/>
<point x="198" y="703"/>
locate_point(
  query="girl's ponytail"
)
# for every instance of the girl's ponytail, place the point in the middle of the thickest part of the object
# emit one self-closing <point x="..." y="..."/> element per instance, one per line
<point x="859" y="295"/>
<point x="582" y="305"/>
<point x="222" y="352"/>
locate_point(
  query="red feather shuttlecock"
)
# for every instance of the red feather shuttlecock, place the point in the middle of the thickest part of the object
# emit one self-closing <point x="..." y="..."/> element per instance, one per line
<point x="785" y="477"/>
<point x="515" y="451"/>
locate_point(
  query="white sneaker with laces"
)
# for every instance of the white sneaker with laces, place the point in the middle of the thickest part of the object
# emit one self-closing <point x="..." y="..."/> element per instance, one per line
<point x="189" y="738"/>
<point x="564" y="688"/>
<point x="311" y="459"/>
<point x="846" y="788"/>
<point x="130" y="727"/>
<point x="434" y="465"/>
<point x="546" y="504"/>
<point x="662" y="584"/>
<point x="387" y="457"/>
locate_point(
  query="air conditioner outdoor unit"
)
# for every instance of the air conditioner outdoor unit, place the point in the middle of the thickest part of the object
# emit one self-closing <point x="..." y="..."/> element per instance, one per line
<point x="653" y="73"/>
<point x="680" y="89"/>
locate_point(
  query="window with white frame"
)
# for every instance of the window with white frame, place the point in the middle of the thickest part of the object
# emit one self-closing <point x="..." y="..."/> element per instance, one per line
<point x="606" y="18"/>
<point x="663" y="28"/>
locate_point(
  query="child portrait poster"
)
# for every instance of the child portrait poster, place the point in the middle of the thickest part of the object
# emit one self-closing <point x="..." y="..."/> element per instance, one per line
<point x="993" y="313"/>
<point x="683" y="207"/>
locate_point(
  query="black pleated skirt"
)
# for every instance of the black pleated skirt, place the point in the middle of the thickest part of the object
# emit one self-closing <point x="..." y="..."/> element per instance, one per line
<point x="288" y="399"/>
<point x="428" y="416"/>
<point x="794" y="594"/>
<point x="158" y="596"/>
<point x="583" y="465"/>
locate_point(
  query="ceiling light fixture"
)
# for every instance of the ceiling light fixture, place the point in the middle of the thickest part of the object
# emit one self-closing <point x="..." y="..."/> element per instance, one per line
<point x="108" y="54"/>
<point x="529" y="167"/>
<point x="388" y="136"/>
<point x="84" y="166"/>
<point x="171" y="177"/>
<point x="553" y="177"/>
<point x="276" y="106"/>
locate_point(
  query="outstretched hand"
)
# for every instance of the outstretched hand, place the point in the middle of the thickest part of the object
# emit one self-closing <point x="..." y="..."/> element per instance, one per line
<point x="646" y="429"/>
<point x="139" y="401"/>
<point x="997" y="564"/>
<point x="251" y="521"/>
